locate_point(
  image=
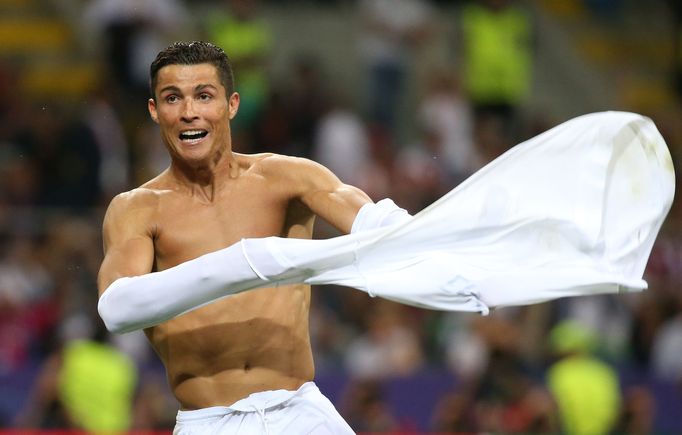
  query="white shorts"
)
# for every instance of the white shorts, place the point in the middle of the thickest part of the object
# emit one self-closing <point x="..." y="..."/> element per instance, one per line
<point x="305" y="411"/>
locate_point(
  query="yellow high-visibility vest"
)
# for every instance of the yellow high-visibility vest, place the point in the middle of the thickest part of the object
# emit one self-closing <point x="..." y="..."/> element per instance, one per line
<point x="587" y="393"/>
<point x="498" y="54"/>
<point x="97" y="386"/>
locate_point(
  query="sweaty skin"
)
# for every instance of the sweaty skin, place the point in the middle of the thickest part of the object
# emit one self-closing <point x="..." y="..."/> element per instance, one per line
<point x="208" y="199"/>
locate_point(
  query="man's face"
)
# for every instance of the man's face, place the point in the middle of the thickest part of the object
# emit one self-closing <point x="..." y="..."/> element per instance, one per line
<point x="193" y="112"/>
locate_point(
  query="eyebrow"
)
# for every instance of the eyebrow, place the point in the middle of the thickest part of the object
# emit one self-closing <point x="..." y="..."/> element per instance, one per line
<point x="199" y="87"/>
<point x="203" y="86"/>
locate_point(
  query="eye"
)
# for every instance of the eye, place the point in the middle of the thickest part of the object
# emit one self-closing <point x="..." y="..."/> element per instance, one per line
<point x="204" y="96"/>
<point x="172" y="98"/>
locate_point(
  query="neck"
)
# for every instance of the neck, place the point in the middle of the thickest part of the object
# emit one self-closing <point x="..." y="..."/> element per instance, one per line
<point x="203" y="179"/>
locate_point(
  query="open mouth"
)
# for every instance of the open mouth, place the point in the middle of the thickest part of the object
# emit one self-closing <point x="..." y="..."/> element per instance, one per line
<point x="192" y="135"/>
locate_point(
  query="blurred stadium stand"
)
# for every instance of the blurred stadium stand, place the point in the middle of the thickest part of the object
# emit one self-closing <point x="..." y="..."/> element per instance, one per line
<point x="444" y="372"/>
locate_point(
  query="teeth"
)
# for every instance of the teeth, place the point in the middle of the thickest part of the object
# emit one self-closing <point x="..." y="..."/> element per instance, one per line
<point x="193" y="134"/>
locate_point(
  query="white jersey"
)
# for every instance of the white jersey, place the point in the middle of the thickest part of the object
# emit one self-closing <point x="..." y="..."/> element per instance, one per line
<point x="573" y="211"/>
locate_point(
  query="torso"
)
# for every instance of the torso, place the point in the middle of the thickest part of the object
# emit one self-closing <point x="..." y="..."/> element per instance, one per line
<point x="254" y="341"/>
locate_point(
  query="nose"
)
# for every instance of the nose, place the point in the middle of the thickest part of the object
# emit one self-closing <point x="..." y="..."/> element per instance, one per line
<point x="188" y="113"/>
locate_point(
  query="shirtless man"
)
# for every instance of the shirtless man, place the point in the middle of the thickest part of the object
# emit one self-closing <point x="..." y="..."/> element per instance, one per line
<point x="233" y="361"/>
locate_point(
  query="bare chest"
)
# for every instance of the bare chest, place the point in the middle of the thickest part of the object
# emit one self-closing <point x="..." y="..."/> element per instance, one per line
<point x="187" y="228"/>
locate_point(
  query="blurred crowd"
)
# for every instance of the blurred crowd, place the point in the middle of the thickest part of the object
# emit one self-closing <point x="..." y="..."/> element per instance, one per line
<point x="408" y="130"/>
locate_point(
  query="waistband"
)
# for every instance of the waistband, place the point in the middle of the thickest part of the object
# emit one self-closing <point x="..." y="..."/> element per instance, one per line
<point x="256" y="402"/>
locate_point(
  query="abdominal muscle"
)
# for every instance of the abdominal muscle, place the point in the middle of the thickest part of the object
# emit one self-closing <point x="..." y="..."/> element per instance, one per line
<point x="251" y="342"/>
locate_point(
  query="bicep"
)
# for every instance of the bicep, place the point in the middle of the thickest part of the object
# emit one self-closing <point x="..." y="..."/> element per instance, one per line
<point x="128" y="246"/>
<point x="329" y="198"/>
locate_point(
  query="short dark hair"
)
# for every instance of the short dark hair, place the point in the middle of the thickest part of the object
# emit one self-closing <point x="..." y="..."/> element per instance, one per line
<point x="193" y="53"/>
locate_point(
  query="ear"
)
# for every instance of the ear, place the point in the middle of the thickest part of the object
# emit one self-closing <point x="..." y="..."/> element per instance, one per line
<point x="233" y="105"/>
<point x="151" y="105"/>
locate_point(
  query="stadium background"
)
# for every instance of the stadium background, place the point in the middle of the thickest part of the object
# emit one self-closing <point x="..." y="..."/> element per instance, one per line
<point x="403" y="98"/>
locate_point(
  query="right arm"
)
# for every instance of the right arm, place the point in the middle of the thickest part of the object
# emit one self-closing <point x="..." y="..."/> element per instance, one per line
<point x="128" y="239"/>
<point x="133" y="297"/>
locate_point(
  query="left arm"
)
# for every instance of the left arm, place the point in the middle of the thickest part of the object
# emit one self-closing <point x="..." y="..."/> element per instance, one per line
<point x="324" y="194"/>
<point x="345" y="207"/>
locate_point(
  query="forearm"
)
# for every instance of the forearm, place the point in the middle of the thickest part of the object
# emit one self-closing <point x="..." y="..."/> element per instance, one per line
<point x="141" y="301"/>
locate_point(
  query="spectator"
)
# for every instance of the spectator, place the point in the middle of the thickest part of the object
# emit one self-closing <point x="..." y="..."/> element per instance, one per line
<point x="638" y="411"/>
<point x="86" y="384"/>
<point x="366" y="409"/>
<point x="388" y="348"/>
<point x="392" y="29"/>
<point x="104" y="123"/>
<point x="238" y="28"/>
<point x="497" y="59"/>
<point x="66" y="157"/>
<point x="25" y="296"/>
<point x="132" y="32"/>
<point x="586" y="390"/>
<point x="307" y="100"/>
<point x="445" y="112"/>
<point x="666" y="352"/>
<point x="507" y="397"/>
<point x="342" y="143"/>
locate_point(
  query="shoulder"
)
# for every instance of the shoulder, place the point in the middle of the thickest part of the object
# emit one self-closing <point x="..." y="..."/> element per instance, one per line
<point x="282" y="167"/>
<point x="135" y="199"/>
<point x="270" y="162"/>
<point x="148" y="195"/>
<point x="133" y="207"/>
<point x="294" y="177"/>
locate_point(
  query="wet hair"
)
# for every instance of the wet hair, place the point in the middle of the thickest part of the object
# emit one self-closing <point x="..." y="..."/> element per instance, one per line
<point x="193" y="53"/>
